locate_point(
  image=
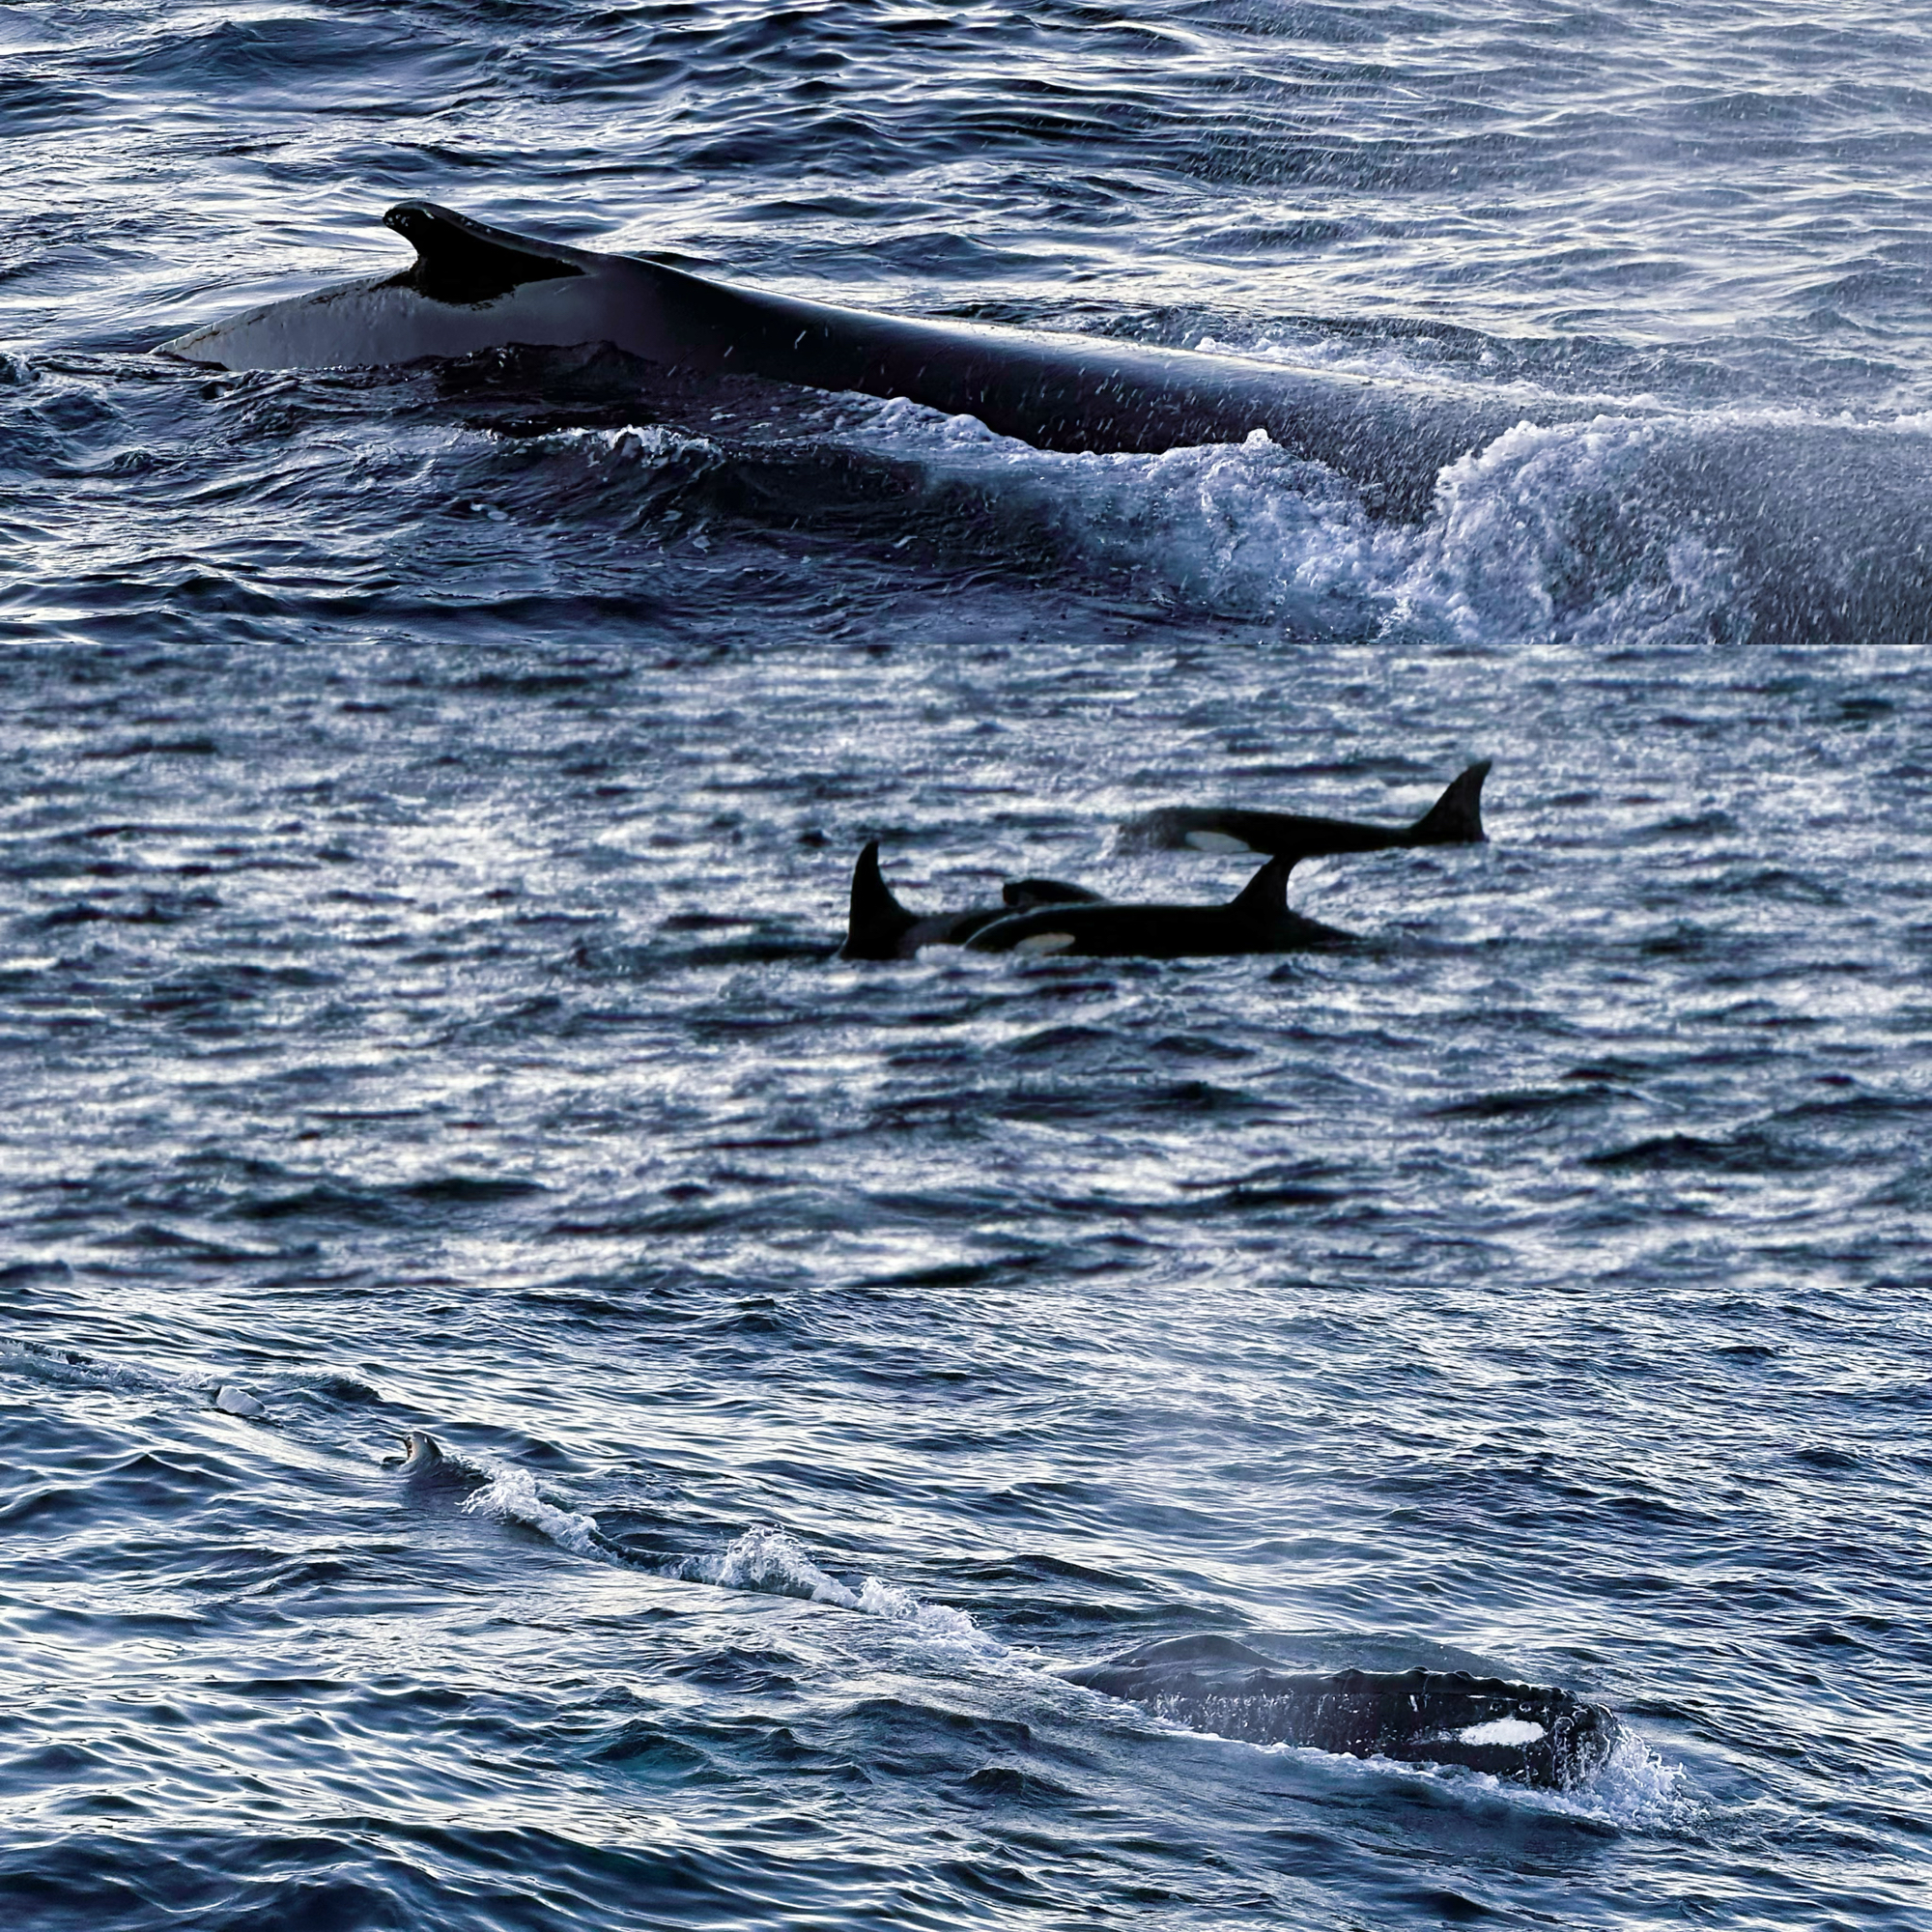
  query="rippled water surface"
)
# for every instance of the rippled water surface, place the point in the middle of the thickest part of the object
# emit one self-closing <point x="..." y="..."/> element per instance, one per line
<point x="427" y="805"/>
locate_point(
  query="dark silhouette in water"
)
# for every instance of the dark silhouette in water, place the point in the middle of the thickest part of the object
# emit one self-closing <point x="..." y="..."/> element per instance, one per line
<point x="879" y="927"/>
<point x="1256" y="919"/>
<point x="1456" y="818"/>
<point x="474" y="287"/>
<point x="1524" y="1732"/>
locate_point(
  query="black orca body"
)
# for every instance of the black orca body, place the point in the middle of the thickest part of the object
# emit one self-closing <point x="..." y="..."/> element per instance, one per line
<point x="1523" y="1732"/>
<point x="879" y="927"/>
<point x="1456" y="818"/>
<point x="1256" y="920"/>
<point x="473" y="287"/>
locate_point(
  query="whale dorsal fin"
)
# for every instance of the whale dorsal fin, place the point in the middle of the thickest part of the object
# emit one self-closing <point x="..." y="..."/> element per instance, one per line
<point x="1265" y="895"/>
<point x="877" y="921"/>
<point x="463" y="260"/>
<point x="1456" y="818"/>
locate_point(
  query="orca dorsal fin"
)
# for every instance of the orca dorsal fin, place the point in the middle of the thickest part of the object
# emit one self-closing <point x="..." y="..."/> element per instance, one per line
<point x="877" y="922"/>
<point x="1265" y="895"/>
<point x="463" y="260"/>
<point x="1456" y="818"/>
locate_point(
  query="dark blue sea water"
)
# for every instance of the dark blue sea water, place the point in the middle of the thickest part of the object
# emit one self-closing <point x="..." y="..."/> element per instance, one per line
<point x="427" y="802"/>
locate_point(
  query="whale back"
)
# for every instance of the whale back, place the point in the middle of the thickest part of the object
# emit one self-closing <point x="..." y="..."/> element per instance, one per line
<point x="1527" y="1733"/>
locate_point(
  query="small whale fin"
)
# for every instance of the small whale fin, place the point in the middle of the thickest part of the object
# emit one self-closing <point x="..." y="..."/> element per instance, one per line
<point x="1025" y="893"/>
<point x="233" y="1401"/>
<point x="1456" y="818"/>
<point x="463" y="260"/>
<point x="422" y="1451"/>
<point x="877" y="922"/>
<point x="1265" y="896"/>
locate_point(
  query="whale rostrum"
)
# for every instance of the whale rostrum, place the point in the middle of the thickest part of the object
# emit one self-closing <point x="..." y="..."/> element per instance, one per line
<point x="1527" y="1733"/>
<point x="473" y="287"/>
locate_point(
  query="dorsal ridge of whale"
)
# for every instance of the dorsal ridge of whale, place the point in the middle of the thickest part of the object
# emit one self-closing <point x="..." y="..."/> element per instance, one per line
<point x="473" y="287"/>
<point x="459" y="260"/>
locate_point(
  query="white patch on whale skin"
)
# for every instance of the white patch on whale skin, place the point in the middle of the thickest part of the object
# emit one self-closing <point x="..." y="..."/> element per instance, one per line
<point x="232" y="1400"/>
<point x="1501" y="1731"/>
<point x="1217" y="841"/>
<point x="1044" y="941"/>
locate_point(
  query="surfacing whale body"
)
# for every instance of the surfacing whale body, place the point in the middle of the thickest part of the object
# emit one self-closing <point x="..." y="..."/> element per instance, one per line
<point x="1527" y="1733"/>
<point x="474" y="287"/>
<point x="1256" y="919"/>
<point x="1456" y="818"/>
<point x="879" y="927"/>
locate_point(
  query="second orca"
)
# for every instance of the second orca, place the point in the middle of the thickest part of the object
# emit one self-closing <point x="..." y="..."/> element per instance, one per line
<point x="1256" y="919"/>
<point x="1456" y="818"/>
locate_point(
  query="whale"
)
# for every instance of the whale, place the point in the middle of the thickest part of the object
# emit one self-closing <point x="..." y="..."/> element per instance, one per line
<point x="1528" y="1734"/>
<point x="473" y="287"/>
<point x="1456" y="818"/>
<point x="424" y="1461"/>
<point x="878" y="927"/>
<point x="1256" y="919"/>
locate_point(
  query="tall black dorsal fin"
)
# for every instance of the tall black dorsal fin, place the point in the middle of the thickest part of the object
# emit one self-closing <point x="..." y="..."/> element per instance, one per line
<point x="877" y="921"/>
<point x="1456" y="818"/>
<point x="463" y="260"/>
<point x="1265" y="895"/>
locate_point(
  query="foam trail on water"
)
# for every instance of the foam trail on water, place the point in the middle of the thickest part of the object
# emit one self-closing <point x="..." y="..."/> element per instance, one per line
<point x="69" y="1368"/>
<point x="510" y="1495"/>
<point x="766" y="1559"/>
<point x="773" y="1561"/>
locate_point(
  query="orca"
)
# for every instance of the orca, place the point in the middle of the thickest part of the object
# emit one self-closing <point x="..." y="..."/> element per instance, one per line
<point x="474" y="287"/>
<point x="1527" y="1733"/>
<point x="1456" y="818"/>
<point x="1256" y="919"/>
<point x="879" y="927"/>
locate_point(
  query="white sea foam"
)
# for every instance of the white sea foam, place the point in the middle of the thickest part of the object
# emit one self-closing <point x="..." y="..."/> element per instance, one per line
<point x="767" y="1558"/>
<point x="1636" y="1790"/>
<point x="510" y="1495"/>
<point x="773" y="1561"/>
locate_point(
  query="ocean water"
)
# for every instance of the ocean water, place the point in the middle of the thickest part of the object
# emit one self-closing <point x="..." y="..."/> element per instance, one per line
<point x="427" y="804"/>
